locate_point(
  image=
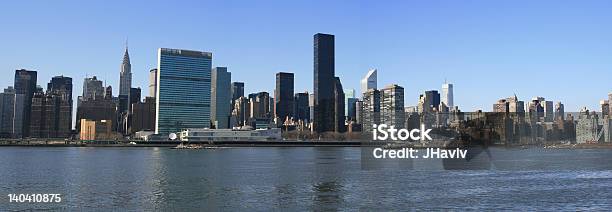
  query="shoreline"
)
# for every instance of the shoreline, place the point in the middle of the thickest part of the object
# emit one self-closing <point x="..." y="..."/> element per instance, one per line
<point x="283" y="143"/>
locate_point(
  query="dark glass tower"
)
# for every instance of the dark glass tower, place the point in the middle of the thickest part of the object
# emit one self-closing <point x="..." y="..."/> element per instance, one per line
<point x="283" y="96"/>
<point x="25" y="83"/>
<point x="237" y="90"/>
<point x="301" y="111"/>
<point x="324" y="83"/>
<point x="61" y="85"/>
<point x="339" y="107"/>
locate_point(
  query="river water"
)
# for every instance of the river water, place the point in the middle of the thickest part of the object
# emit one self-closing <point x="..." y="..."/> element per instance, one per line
<point x="299" y="178"/>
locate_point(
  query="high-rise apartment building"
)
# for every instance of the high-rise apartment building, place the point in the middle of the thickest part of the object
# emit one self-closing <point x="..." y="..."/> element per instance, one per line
<point x="370" y="109"/>
<point x="184" y="90"/>
<point x="392" y="106"/>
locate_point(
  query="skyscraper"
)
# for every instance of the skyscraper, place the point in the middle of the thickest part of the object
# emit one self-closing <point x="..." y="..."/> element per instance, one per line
<point x="283" y="96"/>
<point x="11" y="113"/>
<point x="221" y="97"/>
<point x="237" y="91"/>
<point x="559" y="111"/>
<point x="324" y="83"/>
<point x="348" y="93"/>
<point x="241" y="111"/>
<point x="302" y="111"/>
<point x="370" y="109"/>
<point x="135" y="95"/>
<point x="25" y="83"/>
<point x="369" y="81"/>
<point x="392" y="106"/>
<point x="61" y="85"/>
<point x="339" y="119"/>
<point x="92" y="88"/>
<point x="125" y="76"/>
<point x="143" y="116"/>
<point x="429" y="101"/>
<point x="447" y="94"/>
<point x="52" y="111"/>
<point x="153" y="82"/>
<point x="183" y="86"/>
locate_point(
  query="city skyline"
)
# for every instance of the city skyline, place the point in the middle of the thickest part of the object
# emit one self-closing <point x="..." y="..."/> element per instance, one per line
<point x="432" y="57"/>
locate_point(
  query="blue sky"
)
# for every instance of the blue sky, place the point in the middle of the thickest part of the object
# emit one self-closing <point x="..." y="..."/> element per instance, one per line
<point x="561" y="50"/>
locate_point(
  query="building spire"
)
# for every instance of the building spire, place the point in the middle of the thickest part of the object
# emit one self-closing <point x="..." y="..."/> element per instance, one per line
<point x="126" y="55"/>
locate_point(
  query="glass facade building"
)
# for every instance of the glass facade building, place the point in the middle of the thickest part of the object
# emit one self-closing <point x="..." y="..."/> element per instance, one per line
<point x="324" y="83"/>
<point x="183" y="90"/>
<point x="221" y="97"/>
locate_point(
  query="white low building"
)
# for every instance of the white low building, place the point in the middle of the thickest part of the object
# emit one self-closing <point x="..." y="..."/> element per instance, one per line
<point x="203" y="134"/>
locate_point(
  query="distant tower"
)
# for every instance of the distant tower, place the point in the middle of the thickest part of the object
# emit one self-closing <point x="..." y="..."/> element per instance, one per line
<point x="125" y="77"/>
<point x="369" y="81"/>
<point x="220" y="97"/>
<point x="283" y="96"/>
<point x="447" y="94"/>
<point x="153" y="82"/>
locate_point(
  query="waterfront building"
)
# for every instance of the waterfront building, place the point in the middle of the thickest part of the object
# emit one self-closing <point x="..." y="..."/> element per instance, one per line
<point x="447" y="94"/>
<point x="220" y="97"/>
<point x="392" y="106"/>
<point x="302" y="110"/>
<point x="153" y="82"/>
<point x="369" y="81"/>
<point x="324" y="83"/>
<point x="95" y="129"/>
<point x="183" y="89"/>
<point x="51" y="113"/>
<point x="283" y="96"/>
<point x="11" y="113"/>
<point x="229" y="135"/>
<point x="25" y="83"/>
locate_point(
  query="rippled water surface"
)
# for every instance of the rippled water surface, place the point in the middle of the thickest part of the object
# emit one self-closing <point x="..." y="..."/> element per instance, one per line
<point x="300" y="178"/>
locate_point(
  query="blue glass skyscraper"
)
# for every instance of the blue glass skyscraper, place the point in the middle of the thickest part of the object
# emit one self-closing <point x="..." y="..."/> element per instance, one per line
<point x="183" y="90"/>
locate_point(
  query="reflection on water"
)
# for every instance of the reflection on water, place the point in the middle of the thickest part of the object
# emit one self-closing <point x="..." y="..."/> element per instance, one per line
<point x="304" y="178"/>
